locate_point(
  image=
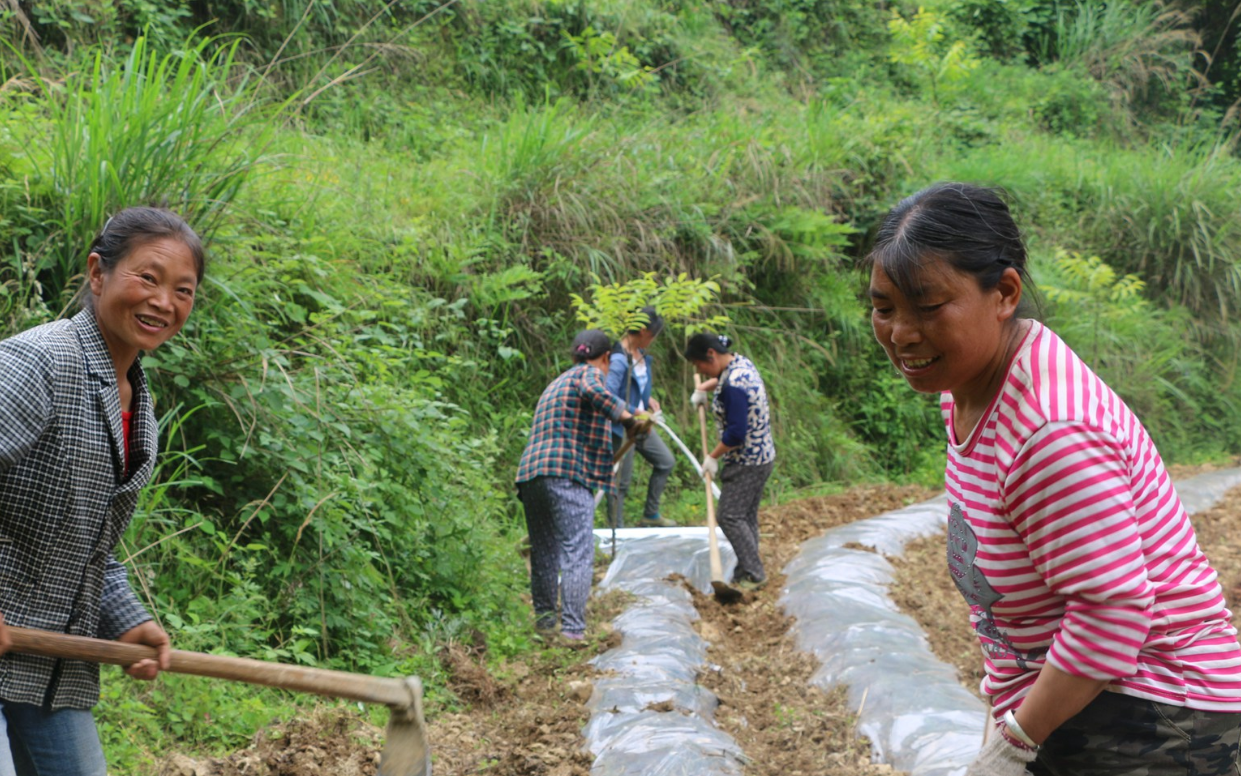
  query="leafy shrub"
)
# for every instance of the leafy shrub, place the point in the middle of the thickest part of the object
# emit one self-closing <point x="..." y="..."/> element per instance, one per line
<point x="809" y="34"/>
<point x="181" y="130"/>
<point x="1150" y="355"/>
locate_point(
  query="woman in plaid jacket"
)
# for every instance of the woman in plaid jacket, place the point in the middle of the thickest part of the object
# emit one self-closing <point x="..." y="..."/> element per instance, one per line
<point x="77" y="443"/>
<point x="569" y="455"/>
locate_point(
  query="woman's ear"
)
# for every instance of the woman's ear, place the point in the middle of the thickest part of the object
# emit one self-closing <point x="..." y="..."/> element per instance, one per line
<point x="1009" y="289"/>
<point x="95" y="273"/>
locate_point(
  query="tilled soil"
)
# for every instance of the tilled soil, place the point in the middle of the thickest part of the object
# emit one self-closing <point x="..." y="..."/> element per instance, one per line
<point x="526" y="719"/>
<point x="785" y="726"/>
<point x="924" y="591"/>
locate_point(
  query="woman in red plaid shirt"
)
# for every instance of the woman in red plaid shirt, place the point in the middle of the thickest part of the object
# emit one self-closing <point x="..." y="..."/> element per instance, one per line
<point x="568" y="457"/>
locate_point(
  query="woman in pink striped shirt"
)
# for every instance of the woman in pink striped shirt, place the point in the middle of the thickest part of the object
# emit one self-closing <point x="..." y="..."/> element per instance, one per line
<point x="1106" y="642"/>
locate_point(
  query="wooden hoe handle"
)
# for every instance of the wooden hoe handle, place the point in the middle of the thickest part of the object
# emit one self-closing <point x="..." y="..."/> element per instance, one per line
<point x="713" y="545"/>
<point x="320" y="681"/>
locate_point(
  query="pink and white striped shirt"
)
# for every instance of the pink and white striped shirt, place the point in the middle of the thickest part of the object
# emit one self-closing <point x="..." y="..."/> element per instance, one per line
<point x="1069" y="542"/>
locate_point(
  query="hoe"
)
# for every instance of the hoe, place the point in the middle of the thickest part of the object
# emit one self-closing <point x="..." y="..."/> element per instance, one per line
<point x="406" y="752"/>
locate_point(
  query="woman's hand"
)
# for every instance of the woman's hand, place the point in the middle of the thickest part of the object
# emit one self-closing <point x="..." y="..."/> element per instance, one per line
<point x="711" y="466"/>
<point x="152" y="635"/>
<point x="1001" y="757"/>
<point x="654" y="405"/>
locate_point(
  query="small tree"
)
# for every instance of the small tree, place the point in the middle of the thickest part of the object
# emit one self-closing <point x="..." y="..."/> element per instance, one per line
<point x="919" y="44"/>
<point x="616" y="308"/>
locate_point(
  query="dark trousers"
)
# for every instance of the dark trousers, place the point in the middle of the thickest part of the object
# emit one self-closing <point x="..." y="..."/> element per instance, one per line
<point x="1119" y="735"/>
<point x="741" y="490"/>
<point x="559" y="516"/>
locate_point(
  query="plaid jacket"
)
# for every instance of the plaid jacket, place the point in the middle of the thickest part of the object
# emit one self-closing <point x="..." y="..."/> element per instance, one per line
<point x="64" y="502"/>
<point x="570" y="437"/>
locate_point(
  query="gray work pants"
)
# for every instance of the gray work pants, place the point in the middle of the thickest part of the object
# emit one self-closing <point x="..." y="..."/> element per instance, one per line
<point x="651" y="447"/>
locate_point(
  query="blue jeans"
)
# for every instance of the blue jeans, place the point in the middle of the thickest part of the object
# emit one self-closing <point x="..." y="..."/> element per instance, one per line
<point x="49" y="743"/>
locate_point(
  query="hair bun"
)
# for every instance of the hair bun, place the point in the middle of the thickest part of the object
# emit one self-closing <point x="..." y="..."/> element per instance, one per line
<point x="726" y="340"/>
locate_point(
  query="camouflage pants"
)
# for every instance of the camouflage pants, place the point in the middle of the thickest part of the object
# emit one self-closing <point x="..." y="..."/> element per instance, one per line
<point x="1119" y="735"/>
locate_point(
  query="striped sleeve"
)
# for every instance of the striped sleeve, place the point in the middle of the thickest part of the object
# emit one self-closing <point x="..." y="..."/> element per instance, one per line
<point x="597" y="393"/>
<point x="1068" y="496"/>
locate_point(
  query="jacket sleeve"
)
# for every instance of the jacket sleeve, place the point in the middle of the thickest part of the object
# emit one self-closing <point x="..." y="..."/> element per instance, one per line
<point x="599" y="397"/>
<point x="26" y="407"/>
<point x="618" y="370"/>
<point x="736" y="415"/>
<point x="119" y="609"/>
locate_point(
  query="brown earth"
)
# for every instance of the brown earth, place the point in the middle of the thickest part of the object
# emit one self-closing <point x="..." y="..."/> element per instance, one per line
<point x="924" y="591"/>
<point x="785" y="726"/>
<point x="525" y="719"/>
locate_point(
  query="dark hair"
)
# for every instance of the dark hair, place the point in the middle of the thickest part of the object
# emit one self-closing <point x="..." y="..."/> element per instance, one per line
<point x="967" y="226"/>
<point x="589" y="345"/>
<point x="135" y="226"/>
<point x="700" y="343"/>
<point x="654" y="322"/>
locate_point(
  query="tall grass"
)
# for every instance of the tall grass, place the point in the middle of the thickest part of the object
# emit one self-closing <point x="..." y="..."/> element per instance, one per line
<point x="183" y="130"/>
<point x="1130" y="46"/>
<point x="1170" y="213"/>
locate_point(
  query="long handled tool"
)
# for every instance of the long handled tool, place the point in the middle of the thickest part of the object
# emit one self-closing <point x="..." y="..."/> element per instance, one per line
<point x="724" y="593"/>
<point x="693" y="460"/>
<point x="616" y="462"/>
<point x="406" y="752"/>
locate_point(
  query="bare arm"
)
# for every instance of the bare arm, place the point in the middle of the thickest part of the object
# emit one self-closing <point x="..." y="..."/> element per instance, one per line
<point x="1055" y="697"/>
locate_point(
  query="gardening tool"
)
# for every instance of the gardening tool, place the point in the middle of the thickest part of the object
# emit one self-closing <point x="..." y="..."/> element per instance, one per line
<point x="406" y="752"/>
<point x="693" y="460"/>
<point x="724" y="592"/>
<point x="616" y="459"/>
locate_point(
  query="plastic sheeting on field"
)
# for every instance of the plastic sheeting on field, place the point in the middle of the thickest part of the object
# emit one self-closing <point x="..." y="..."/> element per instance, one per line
<point x="657" y="663"/>
<point x="916" y="714"/>
<point x="1204" y="491"/>
<point x="911" y="705"/>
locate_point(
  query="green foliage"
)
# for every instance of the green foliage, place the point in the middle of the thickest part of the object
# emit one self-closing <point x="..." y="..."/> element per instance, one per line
<point x="394" y="263"/>
<point x="999" y="27"/>
<point x="1141" y="51"/>
<point x="1096" y="292"/>
<point x="800" y="33"/>
<point x="920" y="45"/>
<point x="1151" y="356"/>
<point x="180" y="130"/>
<point x="617" y="307"/>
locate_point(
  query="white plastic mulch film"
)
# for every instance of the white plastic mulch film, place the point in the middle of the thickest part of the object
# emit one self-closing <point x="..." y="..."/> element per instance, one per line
<point x="649" y="715"/>
<point x="910" y="705"/>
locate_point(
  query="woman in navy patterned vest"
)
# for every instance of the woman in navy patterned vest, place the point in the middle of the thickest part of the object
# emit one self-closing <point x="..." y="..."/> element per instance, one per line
<point x="746" y="454"/>
<point x="77" y="442"/>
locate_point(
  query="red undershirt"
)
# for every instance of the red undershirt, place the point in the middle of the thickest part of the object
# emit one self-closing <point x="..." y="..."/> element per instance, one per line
<point x="126" y="418"/>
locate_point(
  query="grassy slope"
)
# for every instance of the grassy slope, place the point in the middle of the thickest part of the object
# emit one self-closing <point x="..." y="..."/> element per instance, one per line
<point x="390" y="292"/>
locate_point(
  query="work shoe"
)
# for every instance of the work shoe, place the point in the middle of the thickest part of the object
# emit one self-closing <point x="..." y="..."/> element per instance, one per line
<point x="749" y="585"/>
<point x="655" y="521"/>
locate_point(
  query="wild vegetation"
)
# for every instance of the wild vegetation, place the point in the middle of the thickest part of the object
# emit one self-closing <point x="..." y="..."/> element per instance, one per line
<point x="402" y="198"/>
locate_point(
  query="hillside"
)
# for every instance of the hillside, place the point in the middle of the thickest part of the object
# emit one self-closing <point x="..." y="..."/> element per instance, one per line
<point x="400" y="197"/>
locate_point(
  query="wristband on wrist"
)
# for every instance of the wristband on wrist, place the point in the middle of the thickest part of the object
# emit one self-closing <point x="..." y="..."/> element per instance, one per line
<point x="1014" y="729"/>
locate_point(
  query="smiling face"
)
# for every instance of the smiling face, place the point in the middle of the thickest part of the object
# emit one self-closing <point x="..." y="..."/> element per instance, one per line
<point x="145" y="299"/>
<point x="953" y="335"/>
